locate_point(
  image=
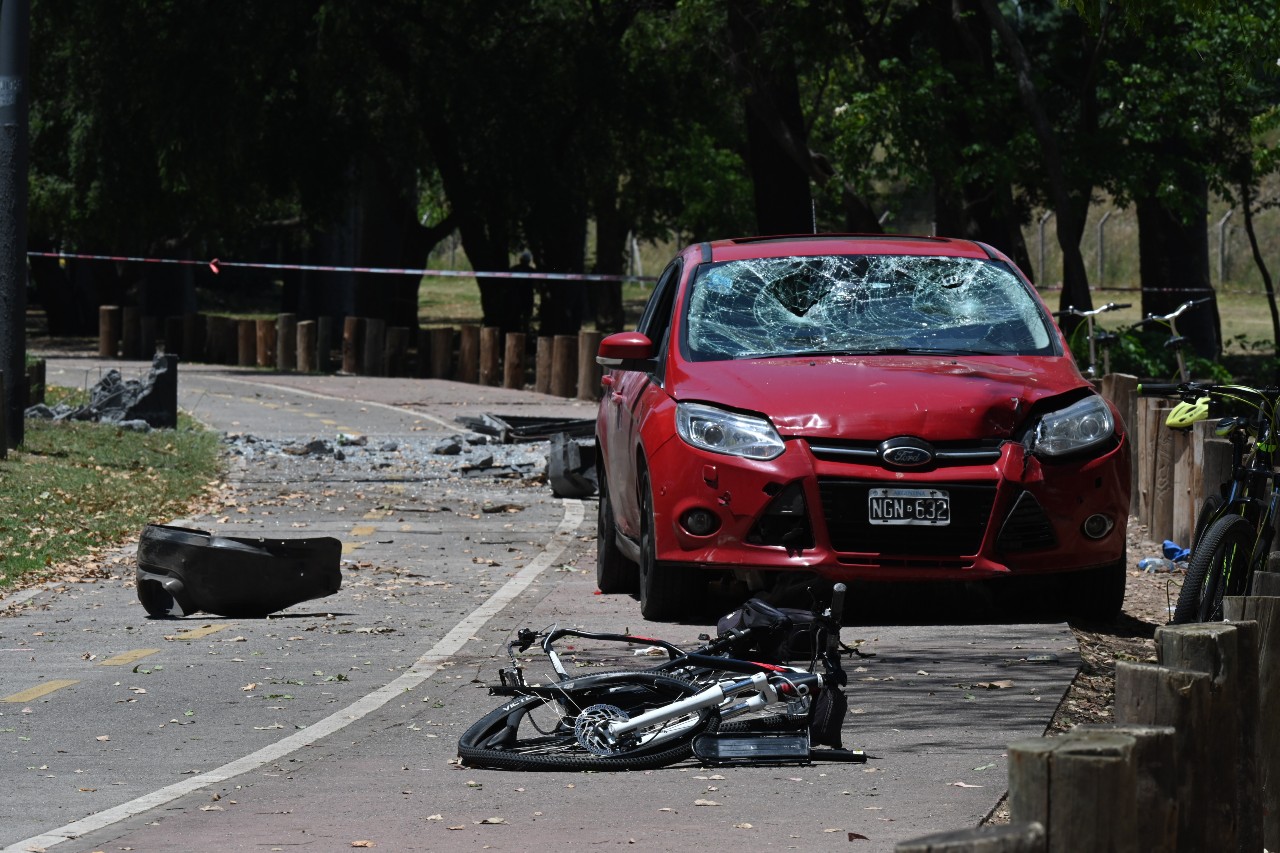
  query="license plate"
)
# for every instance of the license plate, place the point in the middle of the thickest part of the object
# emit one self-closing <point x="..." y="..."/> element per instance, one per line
<point x="908" y="506"/>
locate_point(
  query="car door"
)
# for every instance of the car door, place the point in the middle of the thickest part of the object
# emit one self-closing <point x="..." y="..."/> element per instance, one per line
<point x="628" y="395"/>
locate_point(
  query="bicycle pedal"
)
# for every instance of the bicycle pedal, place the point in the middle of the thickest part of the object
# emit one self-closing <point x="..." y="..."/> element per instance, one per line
<point x="749" y="747"/>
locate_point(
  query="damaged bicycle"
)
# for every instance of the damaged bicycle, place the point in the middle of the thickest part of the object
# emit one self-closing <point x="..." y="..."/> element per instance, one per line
<point x="732" y="700"/>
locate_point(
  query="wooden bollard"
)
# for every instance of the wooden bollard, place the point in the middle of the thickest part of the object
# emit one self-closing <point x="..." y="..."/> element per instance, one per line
<point x="1263" y="607"/>
<point x="352" y="344"/>
<point x="1082" y="787"/>
<point x="397" y="351"/>
<point x="442" y="353"/>
<point x="1008" y="838"/>
<point x="564" y="368"/>
<point x="542" y="365"/>
<point x="219" y="339"/>
<point x="469" y="353"/>
<point x="588" y="370"/>
<point x="324" y="344"/>
<point x="266" y="330"/>
<point x="193" y="336"/>
<point x="247" y="343"/>
<point x="307" y="346"/>
<point x="422" y="366"/>
<point x="148" y="336"/>
<point x="374" y="360"/>
<point x="490" y="341"/>
<point x="286" y="342"/>
<point x="513" y="361"/>
<point x="173" y="338"/>
<point x="131" y="332"/>
<point x="109" y="320"/>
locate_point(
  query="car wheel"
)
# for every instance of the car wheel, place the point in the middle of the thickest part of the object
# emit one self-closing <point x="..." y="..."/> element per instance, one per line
<point x="666" y="593"/>
<point x="614" y="572"/>
<point x="1097" y="595"/>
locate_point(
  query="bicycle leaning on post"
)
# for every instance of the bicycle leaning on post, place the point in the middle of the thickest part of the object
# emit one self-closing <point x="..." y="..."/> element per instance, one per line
<point x="1235" y="527"/>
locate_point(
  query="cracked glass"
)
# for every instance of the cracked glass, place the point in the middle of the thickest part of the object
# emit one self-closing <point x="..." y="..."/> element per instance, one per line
<point x="861" y="304"/>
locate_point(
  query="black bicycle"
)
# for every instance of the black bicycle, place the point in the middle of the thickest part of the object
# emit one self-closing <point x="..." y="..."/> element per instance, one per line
<point x="1235" y="527"/>
<point x="713" y="703"/>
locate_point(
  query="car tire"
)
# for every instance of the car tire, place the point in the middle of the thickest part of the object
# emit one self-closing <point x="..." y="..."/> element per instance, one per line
<point x="614" y="572"/>
<point x="1097" y="595"/>
<point x="666" y="592"/>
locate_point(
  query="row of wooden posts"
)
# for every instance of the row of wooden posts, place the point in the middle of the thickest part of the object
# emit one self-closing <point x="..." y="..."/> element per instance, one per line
<point x="1191" y="764"/>
<point x="562" y="365"/>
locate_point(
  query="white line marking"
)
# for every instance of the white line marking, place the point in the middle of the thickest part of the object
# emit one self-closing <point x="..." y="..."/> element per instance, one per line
<point x="425" y="667"/>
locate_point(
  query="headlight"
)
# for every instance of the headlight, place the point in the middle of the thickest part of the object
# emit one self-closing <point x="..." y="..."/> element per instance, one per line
<point x="727" y="432"/>
<point x="1077" y="427"/>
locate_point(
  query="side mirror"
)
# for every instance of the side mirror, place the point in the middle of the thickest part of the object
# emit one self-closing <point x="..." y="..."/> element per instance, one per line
<point x="626" y="351"/>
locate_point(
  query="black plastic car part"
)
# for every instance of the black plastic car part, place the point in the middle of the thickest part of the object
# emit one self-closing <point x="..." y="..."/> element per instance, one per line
<point x="181" y="571"/>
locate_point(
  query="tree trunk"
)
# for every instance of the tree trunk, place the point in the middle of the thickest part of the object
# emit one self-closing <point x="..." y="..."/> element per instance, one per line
<point x="1173" y="255"/>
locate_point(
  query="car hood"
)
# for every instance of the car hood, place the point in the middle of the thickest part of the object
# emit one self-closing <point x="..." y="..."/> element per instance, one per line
<point x="938" y="398"/>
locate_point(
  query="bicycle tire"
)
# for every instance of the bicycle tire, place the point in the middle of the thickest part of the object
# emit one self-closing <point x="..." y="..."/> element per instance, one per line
<point x="1221" y="565"/>
<point x="508" y="738"/>
<point x="1208" y="510"/>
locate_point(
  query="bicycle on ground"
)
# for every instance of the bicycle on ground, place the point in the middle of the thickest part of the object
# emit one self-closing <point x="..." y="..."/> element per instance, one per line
<point x="1235" y="527"/>
<point x="714" y="703"/>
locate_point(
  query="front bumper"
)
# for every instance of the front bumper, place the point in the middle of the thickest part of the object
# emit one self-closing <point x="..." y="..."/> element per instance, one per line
<point x="1011" y="514"/>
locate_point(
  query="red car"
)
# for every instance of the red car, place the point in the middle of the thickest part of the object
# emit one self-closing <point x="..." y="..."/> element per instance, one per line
<point x="856" y="407"/>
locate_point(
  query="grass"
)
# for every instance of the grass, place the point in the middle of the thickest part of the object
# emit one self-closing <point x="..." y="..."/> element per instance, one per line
<point x="75" y="488"/>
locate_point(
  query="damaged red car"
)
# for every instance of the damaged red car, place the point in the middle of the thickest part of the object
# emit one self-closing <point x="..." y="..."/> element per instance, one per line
<point x="860" y="408"/>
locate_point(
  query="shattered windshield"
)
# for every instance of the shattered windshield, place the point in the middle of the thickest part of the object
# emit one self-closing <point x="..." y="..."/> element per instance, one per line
<point x="861" y="304"/>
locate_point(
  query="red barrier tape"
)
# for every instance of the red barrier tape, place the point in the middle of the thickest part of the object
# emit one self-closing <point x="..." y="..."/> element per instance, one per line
<point x="217" y="266"/>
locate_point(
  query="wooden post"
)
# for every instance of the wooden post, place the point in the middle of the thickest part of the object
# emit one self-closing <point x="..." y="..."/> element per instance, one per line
<point x="131" y="332"/>
<point x="441" y="353"/>
<point x="469" y="353"/>
<point x="542" y="366"/>
<point x="374" y="362"/>
<point x="423" y="364"/>
<point x="1268" y="582"/>
<point x="1161" y="524"/>
<point x="1185" y="496"/>
<point x="247" y="343"/>
<point x="307" y="346"/>
<point x="1122" y="389"/>
<point x="513" y="361"/>
<point x="220" y="339"/>
<point x="148" y="333"/>
<point x="173" y="339"/>
<point x="1263" y="607"/>
<point x="1010" y="838"/>
<point x="397" y="351"/>
<point x="193" y="336"/>
<point x="352" y="345"/>
<point x="286" y="342"/>
<point x="266" y="342"/>
<point x="490" y="340"/>
<point x="324" y="344"/>
<point x="109" y="319"/>
<point x="588" y="370"/>
<point x="1082" y="787"/>
<point x="564" y="370"/>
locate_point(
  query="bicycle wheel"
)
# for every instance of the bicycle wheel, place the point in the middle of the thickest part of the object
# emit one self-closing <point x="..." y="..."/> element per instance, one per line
<point x="552" y="727"/>
<point x="1208" y="509"/>
<point x="1221" y="565"/>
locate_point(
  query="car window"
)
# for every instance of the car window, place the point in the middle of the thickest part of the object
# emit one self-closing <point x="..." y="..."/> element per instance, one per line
<point x="655" y="322"/>
<point x="857" y="304"/>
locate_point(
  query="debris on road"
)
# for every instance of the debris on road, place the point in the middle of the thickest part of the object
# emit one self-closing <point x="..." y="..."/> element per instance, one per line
<point x="149" y="402"/>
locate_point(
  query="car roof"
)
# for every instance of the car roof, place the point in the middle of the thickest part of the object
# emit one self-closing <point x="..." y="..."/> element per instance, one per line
<point x="843" y="244"/>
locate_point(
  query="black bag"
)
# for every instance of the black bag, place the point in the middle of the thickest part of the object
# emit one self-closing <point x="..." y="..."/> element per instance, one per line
<point x="778" y="635"/>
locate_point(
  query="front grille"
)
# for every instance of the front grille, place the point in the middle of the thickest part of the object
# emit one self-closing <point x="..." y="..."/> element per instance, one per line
<point x="1026" y="528"/>
<point x="844" y="506"/>
<point x="946" y="453"/>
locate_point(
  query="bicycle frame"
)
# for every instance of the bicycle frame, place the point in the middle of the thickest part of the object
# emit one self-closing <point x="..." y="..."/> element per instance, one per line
<point x="1091" y="371"/>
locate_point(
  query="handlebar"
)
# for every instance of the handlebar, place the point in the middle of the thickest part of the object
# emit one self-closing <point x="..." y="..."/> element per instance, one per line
<point x="1177" y="312"/>
<point x="1073" y="311"/>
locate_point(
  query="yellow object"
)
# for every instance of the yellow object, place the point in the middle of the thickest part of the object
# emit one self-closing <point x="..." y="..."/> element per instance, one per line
<point x="1184" y="415"/>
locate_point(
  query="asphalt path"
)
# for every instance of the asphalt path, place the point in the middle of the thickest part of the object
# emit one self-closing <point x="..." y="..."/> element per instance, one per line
<point x="334" y="723"/>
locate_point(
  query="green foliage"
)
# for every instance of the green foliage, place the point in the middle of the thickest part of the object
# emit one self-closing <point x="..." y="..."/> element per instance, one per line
<point x="74" y="488"/>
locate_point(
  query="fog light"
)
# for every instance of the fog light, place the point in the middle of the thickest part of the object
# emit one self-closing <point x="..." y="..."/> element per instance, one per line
<point x="1098" y="525"/>
<point x="700" y="522"/>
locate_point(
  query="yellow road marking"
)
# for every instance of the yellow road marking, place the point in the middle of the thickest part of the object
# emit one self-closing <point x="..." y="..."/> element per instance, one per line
<point x="125" y="658"/>
<point x="40" y="690"/>
<point x="373" y="515"/>
<point x="328" y="422"/>
<point x="197" y="633"/>
<point x="348" y="547"/>
<point x="364" y="529"/>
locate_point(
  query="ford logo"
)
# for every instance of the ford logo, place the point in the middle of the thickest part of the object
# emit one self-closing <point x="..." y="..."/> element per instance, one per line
<point x="905" y="453"/>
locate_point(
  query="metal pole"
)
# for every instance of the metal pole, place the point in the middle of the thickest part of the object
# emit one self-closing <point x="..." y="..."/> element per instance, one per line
<point x="1102" y="243"/>
<point x="1222" y="246"/>
<point x="1048" y="214"/>
<point x="15" y="17"/>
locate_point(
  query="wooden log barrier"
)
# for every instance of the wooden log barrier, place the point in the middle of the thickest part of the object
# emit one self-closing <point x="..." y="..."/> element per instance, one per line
<point x="564" y="368"/>
<point x="266" y="330"/>
<point x="490" y="341"/>
<point x="306" y="346"/>
<point x="131" y="332"/>
<point x="1263" y="608"/>
<point x="148" y="337"/>
<point x="193" y="336"/>
<point x="469" y="353"/>
<point x="442" y="353"/>
<point x="352" y="344"/>
<point x="286" y="342"/>
<point x="422" y="366"/>
<point x="324" y="344"/>
<point x="1010" y="838"/>
<point x="219" y="339"/>
<point x="109" y="322"/>
<point x="396" y="358"/>
<point x="1122" y="389"/>
<point x="588" y="371"/>
<point x="374" y="359"/>
<point x="246" y="343"/>
<point x="173" y="339"/>
<point x="542" y="365"/>
<point x="513" y="361"/>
